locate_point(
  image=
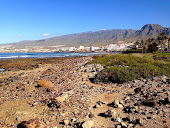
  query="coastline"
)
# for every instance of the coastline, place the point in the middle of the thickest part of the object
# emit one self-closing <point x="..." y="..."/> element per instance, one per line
<point x="76" y="101"/>
<point x="48" y="54"/>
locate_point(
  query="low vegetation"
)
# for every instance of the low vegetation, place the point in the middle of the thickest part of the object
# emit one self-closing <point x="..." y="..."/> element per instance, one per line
<point x="126" y="67"/>
<point x="132" y="51"/>
<point x="27" y="64"/>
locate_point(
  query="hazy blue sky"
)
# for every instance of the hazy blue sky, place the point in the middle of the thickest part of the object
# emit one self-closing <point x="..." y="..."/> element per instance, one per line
<point x="38" y="19"/>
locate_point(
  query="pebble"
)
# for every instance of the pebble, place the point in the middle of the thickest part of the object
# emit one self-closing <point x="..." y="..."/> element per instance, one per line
<point x="88" y="124"/>
<point x="66" y="122"/>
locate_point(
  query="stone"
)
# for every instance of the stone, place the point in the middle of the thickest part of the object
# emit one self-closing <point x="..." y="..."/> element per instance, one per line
<point x="62" y="98"/>
<point x="154" y="103"/>
<point x="121" y="102"/>
<point x="90" y="115"/>
<point x="113" y="113"/>
<point x="127" y="98"/>
<point x="35" y="104"/>
<point x="71" y="92"/>
<point x="130" y="126"/>
<point x="118" y="126"/>
<point x="66" y="122"/>
<point x="164" y="79"/>
<point x="98" y="106"/>
<point x="123" y="124"/>
<point x="52" y="89"/>
<point x="73" y="120"/>
<point x="44" y="83"/>
<point x="138" y="90"/>
<point x="88" y="124"/>
<point x="32" y="123"/>
<point x="116" y="102"/>
<point x="120" y="106"/>
<point x="108" y="113"/>
<point x="150" y="103"/>
<point x="118" y="119"/>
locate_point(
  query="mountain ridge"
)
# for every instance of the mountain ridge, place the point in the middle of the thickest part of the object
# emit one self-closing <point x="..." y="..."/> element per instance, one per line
<point x="98" y="38"/>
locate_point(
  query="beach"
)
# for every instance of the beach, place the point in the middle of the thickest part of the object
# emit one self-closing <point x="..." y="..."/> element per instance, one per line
<point x="57" y="93"/>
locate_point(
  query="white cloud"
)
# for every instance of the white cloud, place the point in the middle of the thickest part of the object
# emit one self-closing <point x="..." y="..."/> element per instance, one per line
<point x="19" y="35"/>
<point x="103" y="29"/>
<point x="46" y="34"/>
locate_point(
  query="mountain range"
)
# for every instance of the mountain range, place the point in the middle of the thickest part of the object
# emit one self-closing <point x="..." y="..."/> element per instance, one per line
<point x="98" y="38"/>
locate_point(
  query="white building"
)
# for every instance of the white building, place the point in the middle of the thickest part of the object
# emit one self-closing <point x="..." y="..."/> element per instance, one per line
<point x="71" y="49"/>
<point x="92" y="48"/>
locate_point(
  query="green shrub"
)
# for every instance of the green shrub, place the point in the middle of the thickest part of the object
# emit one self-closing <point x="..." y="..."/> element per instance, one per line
<point x="120" y="74"/>
<point x="162" y="56"/>
<point x="132" y="51"/>
<point x="123" y="68"/>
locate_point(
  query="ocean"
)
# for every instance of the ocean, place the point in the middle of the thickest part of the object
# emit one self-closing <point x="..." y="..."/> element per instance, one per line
<point x="44" y="55"/>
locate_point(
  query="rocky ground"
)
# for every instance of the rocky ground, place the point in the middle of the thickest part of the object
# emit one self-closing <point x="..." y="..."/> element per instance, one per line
<point x="57" y="95"/>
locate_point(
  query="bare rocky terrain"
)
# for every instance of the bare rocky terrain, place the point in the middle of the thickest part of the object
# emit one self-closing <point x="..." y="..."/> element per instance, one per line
<point x="60" y="95"/>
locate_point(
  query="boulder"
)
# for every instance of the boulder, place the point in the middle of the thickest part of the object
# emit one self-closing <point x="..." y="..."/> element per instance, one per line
<point x="32" y="123"/>
<point x="44" y="83"/>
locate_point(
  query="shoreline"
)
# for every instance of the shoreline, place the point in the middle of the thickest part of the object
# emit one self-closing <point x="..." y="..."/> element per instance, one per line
<point x="6" y="64"/>
<point x="48" y="55"/>
<point x="74" y="100"/>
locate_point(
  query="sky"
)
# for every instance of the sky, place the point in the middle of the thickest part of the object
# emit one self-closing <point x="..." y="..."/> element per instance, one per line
<point x="40" y="19"/>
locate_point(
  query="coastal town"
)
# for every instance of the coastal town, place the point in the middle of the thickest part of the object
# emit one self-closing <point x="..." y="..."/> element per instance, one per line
<point x="118" y="46"/>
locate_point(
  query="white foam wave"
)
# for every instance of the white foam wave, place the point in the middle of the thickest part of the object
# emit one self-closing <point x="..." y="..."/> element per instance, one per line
<point x="5" y="57"/>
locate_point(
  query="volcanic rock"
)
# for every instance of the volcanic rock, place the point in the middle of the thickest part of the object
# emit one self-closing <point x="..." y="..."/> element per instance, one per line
<point x="32" y="123"/>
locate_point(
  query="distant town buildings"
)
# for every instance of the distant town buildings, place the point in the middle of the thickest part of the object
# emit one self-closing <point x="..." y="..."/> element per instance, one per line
<point x="118" y="46"/>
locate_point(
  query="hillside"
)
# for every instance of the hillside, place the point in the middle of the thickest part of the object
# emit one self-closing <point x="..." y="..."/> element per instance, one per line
<point x="99" y="38"/>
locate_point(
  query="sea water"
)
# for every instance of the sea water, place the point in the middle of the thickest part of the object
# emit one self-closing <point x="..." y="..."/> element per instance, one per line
<point x="44" y="55"/>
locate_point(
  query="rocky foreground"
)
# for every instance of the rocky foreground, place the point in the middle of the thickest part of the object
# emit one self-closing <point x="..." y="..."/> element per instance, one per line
<point x="61" y="95"/>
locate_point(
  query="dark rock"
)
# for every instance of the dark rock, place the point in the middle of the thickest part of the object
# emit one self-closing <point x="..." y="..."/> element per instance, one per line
<point x="165" y="101"/>
<point x="150" y="103"/>
<point x="106" y="114"/>
<point x="53" y="104"/>
<point x="32" y="123"/>
<point x="128" y="109"/>
<point x="91" y="115"/>
<point x="137" y="90"/>
<point x="148" y="117"/>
